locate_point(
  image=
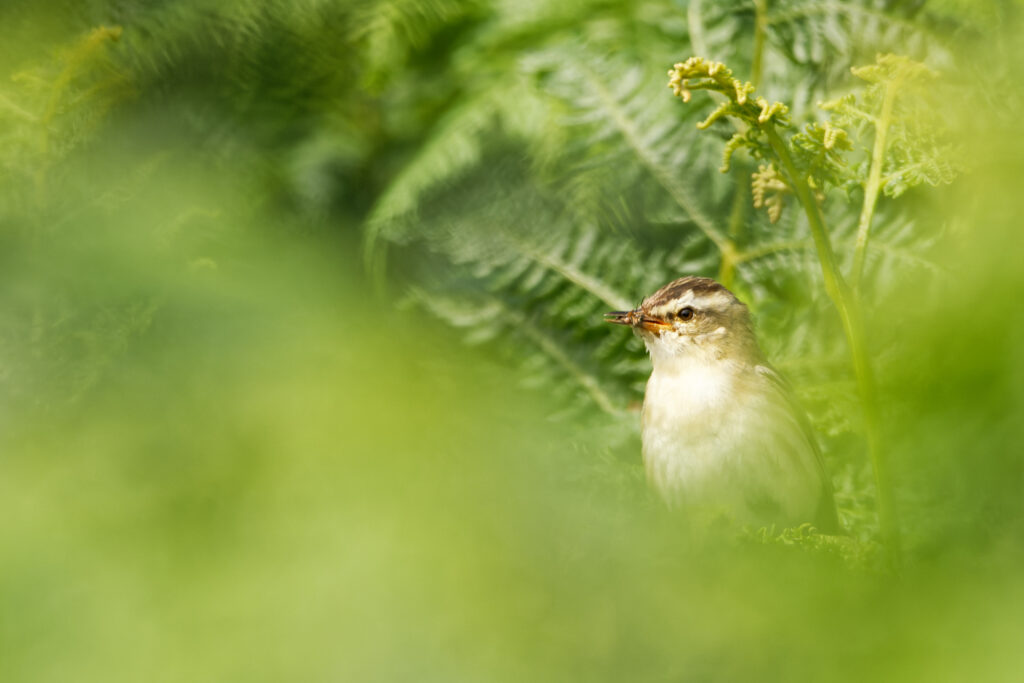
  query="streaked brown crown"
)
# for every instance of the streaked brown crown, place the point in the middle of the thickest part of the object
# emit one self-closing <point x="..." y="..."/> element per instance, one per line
<point x="676" y="288"/>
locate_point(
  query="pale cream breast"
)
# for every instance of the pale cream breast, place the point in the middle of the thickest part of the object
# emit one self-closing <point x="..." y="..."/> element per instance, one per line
<point x="711" y="437"/>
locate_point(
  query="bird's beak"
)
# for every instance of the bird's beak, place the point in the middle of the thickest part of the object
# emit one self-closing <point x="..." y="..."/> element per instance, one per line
<point x="619" y="317"/>
<point x="636" y="318"/>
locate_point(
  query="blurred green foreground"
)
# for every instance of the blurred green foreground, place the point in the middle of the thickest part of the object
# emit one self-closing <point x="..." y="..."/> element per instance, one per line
<point x="225" y="457"/>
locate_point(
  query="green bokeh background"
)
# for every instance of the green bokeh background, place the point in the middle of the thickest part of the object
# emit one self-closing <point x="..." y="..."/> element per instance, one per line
<point x="225" y="456"/>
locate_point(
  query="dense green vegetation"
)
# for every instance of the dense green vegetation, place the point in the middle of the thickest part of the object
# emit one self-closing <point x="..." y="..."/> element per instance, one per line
<point x="302" y="368"/>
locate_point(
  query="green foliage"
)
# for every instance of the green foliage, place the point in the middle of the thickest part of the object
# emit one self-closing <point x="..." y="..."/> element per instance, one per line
<point x="554" y="180"/>
<point x="895" y="107"/>
<point x="812" y="162"/>
<point x="226" y="456"/>
<point x="901" y="99"/>
<point x="49" y="109"/>
<point x="604" y="151"/>
<point x="865" y="555"/>
<point x="605" y="157"/>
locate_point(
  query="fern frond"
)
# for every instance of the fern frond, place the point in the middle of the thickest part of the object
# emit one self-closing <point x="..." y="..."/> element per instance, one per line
<point x="391" y="30"/>
<point x="453" y="148"/>
<point x="648" y="155"/>
<point x="488" y="317"/>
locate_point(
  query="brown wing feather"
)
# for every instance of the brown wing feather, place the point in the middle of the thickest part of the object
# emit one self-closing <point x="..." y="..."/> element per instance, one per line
<point x="826" y="519"/>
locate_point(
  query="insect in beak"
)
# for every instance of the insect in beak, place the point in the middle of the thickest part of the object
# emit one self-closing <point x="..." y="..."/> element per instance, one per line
<point x="619" y="317"/>
<point x="636" y="318"/>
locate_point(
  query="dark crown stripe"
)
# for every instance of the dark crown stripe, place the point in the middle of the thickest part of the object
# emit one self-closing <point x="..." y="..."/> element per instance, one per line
<point x="676" y="288"/>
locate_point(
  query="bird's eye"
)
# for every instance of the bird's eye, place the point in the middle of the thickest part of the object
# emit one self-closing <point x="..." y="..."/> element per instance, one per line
<point x="685" y="313"/>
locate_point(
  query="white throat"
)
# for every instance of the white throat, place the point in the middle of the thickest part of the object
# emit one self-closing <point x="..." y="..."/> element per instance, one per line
<point x="673" y="353"/>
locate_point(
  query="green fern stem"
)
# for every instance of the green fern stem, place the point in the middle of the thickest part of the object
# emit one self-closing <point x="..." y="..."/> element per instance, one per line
<point x="850" y="316"/>
<point x="760" y="22"/>
<point x="731" y="256"/>
<point x="695" y="21"/>
<point x="874" y="184"/>
<point x="727" y="267"/>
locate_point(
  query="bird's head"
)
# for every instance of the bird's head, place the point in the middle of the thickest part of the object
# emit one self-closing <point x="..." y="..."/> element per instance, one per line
<point x="692" y="317"/>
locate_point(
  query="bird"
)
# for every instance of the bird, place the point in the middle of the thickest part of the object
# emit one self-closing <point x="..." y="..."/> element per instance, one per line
<point x="721" y="430"/>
